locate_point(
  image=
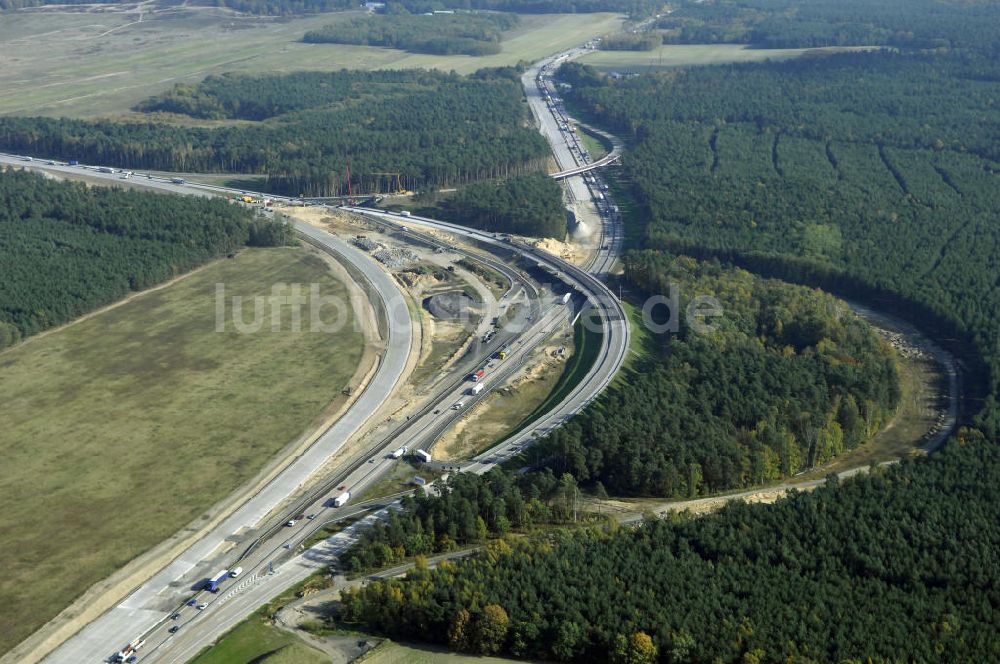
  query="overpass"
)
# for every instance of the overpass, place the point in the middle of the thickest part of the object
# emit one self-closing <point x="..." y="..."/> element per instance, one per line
<point x="606" y="160"/>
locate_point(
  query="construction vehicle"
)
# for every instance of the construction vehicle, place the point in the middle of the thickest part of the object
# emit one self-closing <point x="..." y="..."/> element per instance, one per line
<point x="395" y="183"/>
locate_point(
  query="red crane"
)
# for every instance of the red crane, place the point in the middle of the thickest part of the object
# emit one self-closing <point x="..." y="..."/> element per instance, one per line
<point x="350" y="192"/>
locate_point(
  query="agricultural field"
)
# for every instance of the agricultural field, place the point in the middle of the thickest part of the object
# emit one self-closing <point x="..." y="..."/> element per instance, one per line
<point x="80" y="63"/>
<point x="130" y="424"/>
<point x="669" y="56"/>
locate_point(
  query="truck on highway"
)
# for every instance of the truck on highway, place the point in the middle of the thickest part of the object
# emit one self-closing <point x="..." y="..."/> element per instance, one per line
<point x="123" y="654"/>
<point x="73" y="162"/>
<point x="475" y="389"/>
<point x="566" y="298"/>
<point x="504" y="352"/>
<point x="423" y="455"/>
<point x="478" y="376"/>
<point x="212" y="585"/>
<point x="105" y="169"/>
<point x="342" y="499"/>
<point x="398" y="453"/>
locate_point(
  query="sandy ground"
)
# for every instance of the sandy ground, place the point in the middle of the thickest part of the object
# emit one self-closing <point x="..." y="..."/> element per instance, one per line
<point x="491" y="418"/>
<point x="411" y="394"/>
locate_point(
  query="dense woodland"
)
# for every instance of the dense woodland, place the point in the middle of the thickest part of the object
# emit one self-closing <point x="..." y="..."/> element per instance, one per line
<point x="529" y="205"/>
<point x="434" y="129"/>
<point x="631" y="42"/>
<point x="895" y="566"/>
<point x="67" y="249"/>
<point x="440" y="34"/>
<point x="833" y="172"/>
<point x="926" y="24"/>
<point x="787" y="380"/>
<point x="470" y="509"/>
<point x="871" y="174"/>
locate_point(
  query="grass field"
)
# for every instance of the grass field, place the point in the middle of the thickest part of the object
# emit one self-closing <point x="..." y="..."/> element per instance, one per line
<point x="255" y="641"/>
<point x="391" y="652"/>
<point x="79" y="63"/>
<point x="121" y="429"/>
<point x="679" y="55"/>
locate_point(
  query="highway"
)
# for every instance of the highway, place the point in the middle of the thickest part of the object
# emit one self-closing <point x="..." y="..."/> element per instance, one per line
<point x="151" y="602"/>
<point x="272" y="565"/>
<point x="612" y="319"/>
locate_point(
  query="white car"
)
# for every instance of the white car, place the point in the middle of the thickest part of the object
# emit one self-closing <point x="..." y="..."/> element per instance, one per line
<point x="201" y="607"/>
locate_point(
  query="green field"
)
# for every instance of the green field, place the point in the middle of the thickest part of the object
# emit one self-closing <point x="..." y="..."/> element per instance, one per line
<point x="680" y="55"/>
<point x="77" y="63"/>
<point x="253" y="640"/>
<point x="121" y="429"/>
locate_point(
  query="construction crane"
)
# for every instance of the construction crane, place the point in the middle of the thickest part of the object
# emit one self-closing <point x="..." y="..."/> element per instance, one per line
<point x="350" y="192"/>
<point x="394" y="180"/>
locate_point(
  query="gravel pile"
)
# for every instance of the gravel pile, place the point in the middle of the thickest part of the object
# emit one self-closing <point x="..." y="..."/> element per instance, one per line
<point x="395" y="258"/>
<point x="366" y="244"/>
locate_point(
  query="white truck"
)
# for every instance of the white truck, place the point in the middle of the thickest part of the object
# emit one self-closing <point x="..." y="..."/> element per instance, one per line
<point x="475" y="389"/>
<point x="566" y="298"/>
<point x="398" y="453"/>
<point x="424" y="455"/>
<point x="342" y="499"/>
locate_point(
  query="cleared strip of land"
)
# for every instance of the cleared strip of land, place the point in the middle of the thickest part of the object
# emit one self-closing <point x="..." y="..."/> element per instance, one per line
<point x="683" y="55"/>
<point x="121" y="429"/>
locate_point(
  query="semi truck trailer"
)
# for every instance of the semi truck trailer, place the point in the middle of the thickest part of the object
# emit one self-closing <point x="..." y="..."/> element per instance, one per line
<point x="213" y="583"/>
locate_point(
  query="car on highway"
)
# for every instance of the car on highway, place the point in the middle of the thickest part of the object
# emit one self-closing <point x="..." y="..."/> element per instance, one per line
<point x="311" y="517"/>
<point x="342" y="487"/>
<point x="290" y="523"/>
<point x="192" y="602"/>
<point x="202" y="606"/>
<point x="175" y="616"/>
<point x="174" y="629"/>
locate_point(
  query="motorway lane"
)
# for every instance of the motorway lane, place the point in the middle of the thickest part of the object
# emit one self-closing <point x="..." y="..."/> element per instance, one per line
<point x="150" y="603"/>
<point x="614" y="339"/>
<point x="222" y="614"/>
<point x="106" y="633"/>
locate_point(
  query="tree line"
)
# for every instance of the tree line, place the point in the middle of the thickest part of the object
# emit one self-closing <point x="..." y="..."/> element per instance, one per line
<point x="529" y="205"/>
<point x="464" y="33"/>
<point x="855" y="183"/>
<point x="829" y="171"/>
<point x="434" y="129"/>
<point x="895" y="565"/>
<point x="788" y="379"/>
<point x="923" y="24"/>
<point x="466" y="509"/>
<point x="68" y="249"/>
